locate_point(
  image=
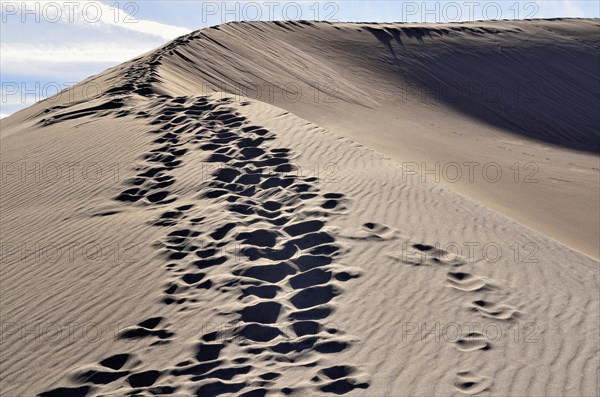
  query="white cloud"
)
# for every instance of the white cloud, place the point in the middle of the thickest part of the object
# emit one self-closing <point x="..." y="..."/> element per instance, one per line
<point x="60" y="42"/>
<point x="559" y="8"/>
<point x="122" y="19"/>
<point x="12" y="54"/>
<point x="69" y="61"/>
<point x="72" y="40"/>
<point x="571" y="8"/>
<point x="91" y="14"/>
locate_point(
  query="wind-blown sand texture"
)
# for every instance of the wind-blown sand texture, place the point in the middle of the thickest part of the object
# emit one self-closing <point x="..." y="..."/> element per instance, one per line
<point x="197" y="242"/>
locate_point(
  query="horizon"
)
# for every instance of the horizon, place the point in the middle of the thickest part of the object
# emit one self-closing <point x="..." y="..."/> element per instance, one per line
<point x="49" y="46"/>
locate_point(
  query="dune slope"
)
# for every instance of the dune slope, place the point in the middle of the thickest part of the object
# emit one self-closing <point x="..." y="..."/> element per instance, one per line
<point x="514" y="104"/>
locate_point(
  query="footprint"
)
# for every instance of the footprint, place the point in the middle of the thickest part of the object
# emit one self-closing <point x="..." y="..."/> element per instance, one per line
<point x="262" y="312"/>
<point x="168" y="218"/>
<point x="341" y="379"/>
<point x="259" y="238"/>
<point x="143" y="379"/>
<point x="427" y="255"/>
<point x="255" y="393"/>
<point x="217" y="388"/>
<point x="146" y="329"/>
<point x="305" y="227"/>
<point x="472" y="341"/>
<point x="314" y="296"/>
<point x="310" y="278"/>
<point x="371" y="231"/>
<point x="160" y="197"/>
<point x="468" y="383"/>
<point x="98" y="376"/>
<point x="208" y="351"/>
<point x="116" y="362"/>
<point x="131" y="195"/>
<point x="494" y="310"/>
<point x="467" y="282"/>
<point x="81" y="391"/>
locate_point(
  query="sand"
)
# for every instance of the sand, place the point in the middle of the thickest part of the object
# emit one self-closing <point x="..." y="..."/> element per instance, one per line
<point x="173" y="237"/>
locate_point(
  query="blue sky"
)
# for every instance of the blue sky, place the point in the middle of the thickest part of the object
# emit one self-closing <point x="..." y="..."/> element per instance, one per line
<point x="46" y="46"/>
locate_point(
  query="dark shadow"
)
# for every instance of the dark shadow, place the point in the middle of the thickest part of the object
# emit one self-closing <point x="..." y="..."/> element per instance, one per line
<point x="546" y="91"/>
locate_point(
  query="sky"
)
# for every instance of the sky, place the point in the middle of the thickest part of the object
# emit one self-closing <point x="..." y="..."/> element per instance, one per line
<point x="47" y="46"/>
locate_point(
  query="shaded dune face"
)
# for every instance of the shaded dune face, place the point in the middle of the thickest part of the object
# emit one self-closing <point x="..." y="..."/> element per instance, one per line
<point x="535" y="79"/>
<point x="519" y="96"/>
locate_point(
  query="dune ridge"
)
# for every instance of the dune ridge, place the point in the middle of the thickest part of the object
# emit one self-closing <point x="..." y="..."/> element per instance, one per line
<point x="520" y="94"/>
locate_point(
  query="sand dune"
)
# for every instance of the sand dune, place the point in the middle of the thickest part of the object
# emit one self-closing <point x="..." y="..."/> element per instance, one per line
<point x="172" y="237"/>
<point x="518" y="96"/>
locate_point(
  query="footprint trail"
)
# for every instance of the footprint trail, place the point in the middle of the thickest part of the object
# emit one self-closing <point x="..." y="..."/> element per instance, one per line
<point x="255" y="231"/>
